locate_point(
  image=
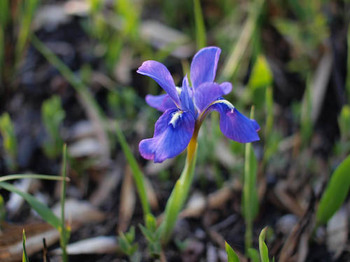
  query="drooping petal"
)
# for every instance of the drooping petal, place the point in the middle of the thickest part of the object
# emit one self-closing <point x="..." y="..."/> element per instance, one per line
<point x="233" y="124"/>
<point x="203" y="66"/>
<point x="185" y="97"/>
<point x="162" y="76"/>
<point x="226" y="87"/>
<point x="207" y="93"/>
<point x="173" y="131"/>
<point x="161" y="102"/>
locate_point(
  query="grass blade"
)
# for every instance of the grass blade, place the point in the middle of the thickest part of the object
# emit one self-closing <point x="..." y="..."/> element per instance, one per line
<point x="231" y="254"/>
<point x="64" y="233"/>
<point x="34" y="176"/>
<point x="264" y="252"/>
<point x="250" y="197"/>
<point x="24" y="256"/>
<point x="39" y="207"/>
<point x="201" y="38"/>
<point x="137" y="173"/>
<point x="335" y="193"/>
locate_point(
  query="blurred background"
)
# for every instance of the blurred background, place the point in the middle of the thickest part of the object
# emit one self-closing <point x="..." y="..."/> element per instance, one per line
<point x="68" y="75"/>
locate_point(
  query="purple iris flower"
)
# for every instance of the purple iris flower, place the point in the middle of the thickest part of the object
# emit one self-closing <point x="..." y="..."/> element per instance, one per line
<point x="185" y="108"/>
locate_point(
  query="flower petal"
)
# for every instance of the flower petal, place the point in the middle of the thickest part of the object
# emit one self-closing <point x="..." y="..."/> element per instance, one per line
<point x="173" y="131"/>
<point x="233" y="124"/>
<point x="207" y="93"/>
<point x="203" y="66"/>
<point x="226" y="87"/>
<point x="185" y="97"/>
<point x="162" y="76"/>
<point x="161" y="102"/>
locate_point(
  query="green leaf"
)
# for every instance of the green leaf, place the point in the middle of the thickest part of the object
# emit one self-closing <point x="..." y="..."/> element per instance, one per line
<point x="200" y="27"/>
<point x="24" y="256"/>
<point x="253" y="254"/>
<point x="264" y="252"/>
<point x="261" y="74"/>
<point x="231" y="254"/>
<point x="335" y="193"/>
<point x="151" y="222"/>
<point x="39" y="207"/>
<point x="148" y="234"/>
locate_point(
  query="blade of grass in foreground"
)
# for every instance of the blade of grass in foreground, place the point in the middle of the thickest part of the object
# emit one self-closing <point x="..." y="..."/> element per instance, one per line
<point x="39" y="207"/>
<point x="231" y="254"/>
<point x="335" y="193"/>
<point x="137" y="173"/>
<point x="24" y="256"/>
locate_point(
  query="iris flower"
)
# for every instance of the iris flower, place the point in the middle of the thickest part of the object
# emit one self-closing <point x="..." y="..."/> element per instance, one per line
<point x="185" y="108"/>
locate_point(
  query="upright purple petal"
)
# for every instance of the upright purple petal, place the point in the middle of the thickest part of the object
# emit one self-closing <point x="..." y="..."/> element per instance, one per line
<point x="204" y="65"/>
<point x="185" y="97"/>
<point x="207" y="93"/>
<point x="226" y="87"/>
<point x="162" y="76"/>
<point x="161" y="102"/>
<point x="173" y="131"/>
<point x="233" y="124"/>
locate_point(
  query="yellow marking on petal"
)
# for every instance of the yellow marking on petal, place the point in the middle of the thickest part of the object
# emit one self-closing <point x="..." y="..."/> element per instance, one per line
<point x="175" y="117"/>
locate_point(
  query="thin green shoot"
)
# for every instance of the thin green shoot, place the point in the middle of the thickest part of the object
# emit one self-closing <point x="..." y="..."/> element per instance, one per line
<point x="306" y="125"/>
<point x="7" y="131"/>
<point x="199" y="23"/>
<point x="250" y="197"/>
<point x="24" y="256"/>
<point x="53" y="116"/>
<point x="137" y="173"/>
<point x="2" y="211"/>
<point x="231" y="254"/>
<point x="127" y="245"/>
<point x="264" y="252"/>
<point x="32" y="176"/>
<point x="152" y="235"/>
<point x="348" y="67"/>
<point x="64" y="232"/>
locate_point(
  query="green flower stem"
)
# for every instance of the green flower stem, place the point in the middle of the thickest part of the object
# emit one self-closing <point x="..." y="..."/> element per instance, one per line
<point x="180" y="191"/>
